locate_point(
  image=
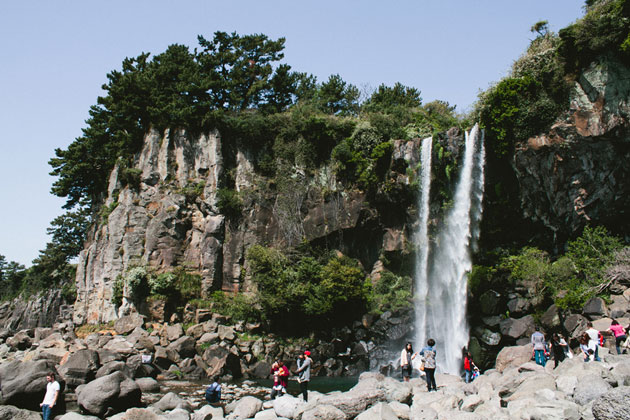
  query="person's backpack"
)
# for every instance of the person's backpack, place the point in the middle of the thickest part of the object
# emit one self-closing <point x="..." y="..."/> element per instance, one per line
<point x="212" y="392"/>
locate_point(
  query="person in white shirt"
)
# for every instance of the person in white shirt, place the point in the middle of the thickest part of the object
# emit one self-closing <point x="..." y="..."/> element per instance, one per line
<point x="593" y="341"/>
<point x="50" y="399"/>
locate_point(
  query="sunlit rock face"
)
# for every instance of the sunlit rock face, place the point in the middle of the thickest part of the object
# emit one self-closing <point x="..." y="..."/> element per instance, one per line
<point x="577" y="173"/>
<point x="169" y="216"/>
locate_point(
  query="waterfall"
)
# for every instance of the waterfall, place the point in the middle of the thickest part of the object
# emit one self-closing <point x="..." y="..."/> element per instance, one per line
<point x="422" y="239"/>
<point x="442" y="266"/>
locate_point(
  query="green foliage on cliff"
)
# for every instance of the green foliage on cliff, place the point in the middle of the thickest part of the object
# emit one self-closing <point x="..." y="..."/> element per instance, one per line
<point x="569" y="280"/>
<point x="304" y="291"/>
<point x="528" y="101"/>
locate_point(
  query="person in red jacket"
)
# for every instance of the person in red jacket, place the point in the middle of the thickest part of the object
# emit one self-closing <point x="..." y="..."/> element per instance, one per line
<point x="468" y="367"/>
<point x="280" y="377"/>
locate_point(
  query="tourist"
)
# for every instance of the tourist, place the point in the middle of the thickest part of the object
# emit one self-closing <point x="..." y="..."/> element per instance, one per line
<point x="593" y="341"/>
<point x="565" y="347"/>
<point x="619" y="333"/>
<point x="538" y="341"/>
<point x="468" y="367"/>
<point x="280" y="374"/>
<point x="52" y="393"/>
<point x="213" y="392"/>
<point x="304" y="363"/>
<point x="557" y="348"/>
<point x="428" y="358"/>
<point x="587" y="352"/>
<point x="406" y="356"/>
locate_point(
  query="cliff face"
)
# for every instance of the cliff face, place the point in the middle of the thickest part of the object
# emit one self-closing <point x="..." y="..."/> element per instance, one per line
<point x="171" y="218"/>
<point x="577" y="173"/>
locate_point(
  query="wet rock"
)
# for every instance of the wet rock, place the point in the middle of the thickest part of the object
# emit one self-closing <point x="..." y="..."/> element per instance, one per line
<point x="490" y="301"/>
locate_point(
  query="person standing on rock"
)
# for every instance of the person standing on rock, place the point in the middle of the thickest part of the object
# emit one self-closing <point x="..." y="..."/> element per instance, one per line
<point x="280" y="374"/>
<point x="52" y="392"/>
<point x="538" y="341"/>
<point x="428" y="357"/>
<point x="468" y="367"/>
<point x="593" y="340"/>
<point x="619" y="333"/>
<point x="304" y="363"/>
<point x="558" y="349"/>
<point x="406" y="356"/>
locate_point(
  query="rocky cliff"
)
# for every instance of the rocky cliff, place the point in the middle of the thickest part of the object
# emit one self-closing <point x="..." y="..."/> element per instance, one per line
<point x="577" y="173"/>
<point x="171" y="216"/>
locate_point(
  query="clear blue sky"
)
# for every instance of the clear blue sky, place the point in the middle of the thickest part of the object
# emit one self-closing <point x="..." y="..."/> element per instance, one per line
<point x="54" y="56"/>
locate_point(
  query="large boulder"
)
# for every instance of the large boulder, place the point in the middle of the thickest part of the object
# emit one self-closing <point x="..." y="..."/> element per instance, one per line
<point x="324" y="412"/>
<point x="380" y="411"/>
<point x="286" y="406"/>
<point x="184" y="346"/>
<point x="109" y="395"/>
<point x="246" y="408"/>
<point x="613" y="404"/>
<point x="24" y="383"/>
<point x="80" y="368"/>
<point x="9" y="412"/>
<point x="513" y="356"/>
<point x="595" y="307"/>
<point x="171" y="401"/>
<point x="589" y="388"/>
<point x="517" y="327"/>
<point x="128" y="323"/>
<point x="20" y="341"/>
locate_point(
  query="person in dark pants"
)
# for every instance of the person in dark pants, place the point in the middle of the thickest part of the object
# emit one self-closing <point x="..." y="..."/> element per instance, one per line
<point x="428" y="357"/>
<point x="558" y="349"/>
<point x="213" y="392"/>
<point x="304" y="363"/>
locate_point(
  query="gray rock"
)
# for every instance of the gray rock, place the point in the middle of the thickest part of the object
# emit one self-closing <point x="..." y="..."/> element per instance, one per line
<point x="226" y="333"/>
<point x="76" y="416"/>
<point x="286" y="406"/>
<point x="178" y="414"/>
<point x="595" y="307"/>
<point x="246" y="408"/>
<point x="266" y="415"/>
<point x="490" y="301"/>
<point x="207" y="412"/>
<point x="589" y="388"/>
<point x="575" y="324"/>
<point x="323" y="412"/>
<point x="184" y="346"/>
<point x="137" y="414"/>
<point x="401" y="410"/>
<point x="171" y="401"/>
<point x="380" y="411"/>
<point x="420" y="412"/>
<point x="148" y="385"/>
<point x="613" y="404"/>
<point x="111" y="367"/>
<point x="519" y="306"/>
<point x="173" y="332"/>
<point x="20" y="341"/>
<point x="109" y="395"/>
<point x="80" y="368"/>
<point x="513" y="356"/>
<point x="24" y="383"/>
<point x="550" y="320"/>
<point x="517" y="327"/>
<point x="9" y="412"/>
<point x="471" y="402"/>
<point x="128" y="323"/>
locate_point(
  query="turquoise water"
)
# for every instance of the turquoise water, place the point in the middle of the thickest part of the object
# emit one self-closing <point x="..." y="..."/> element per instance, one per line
<point x="323" y="384"/>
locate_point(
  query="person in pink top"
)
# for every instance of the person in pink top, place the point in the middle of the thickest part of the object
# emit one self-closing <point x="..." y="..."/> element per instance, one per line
<point x="619" y="332"/>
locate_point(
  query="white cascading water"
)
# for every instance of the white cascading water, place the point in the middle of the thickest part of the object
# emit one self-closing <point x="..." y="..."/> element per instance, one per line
<point x="422" y="239"/>
<point x="441" y="291"/>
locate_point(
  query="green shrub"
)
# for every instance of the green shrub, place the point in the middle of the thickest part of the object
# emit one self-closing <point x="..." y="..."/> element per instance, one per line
<point x="229" y="202"/>
<point x="162" y="284"/>
<point x="391" y="292"/>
